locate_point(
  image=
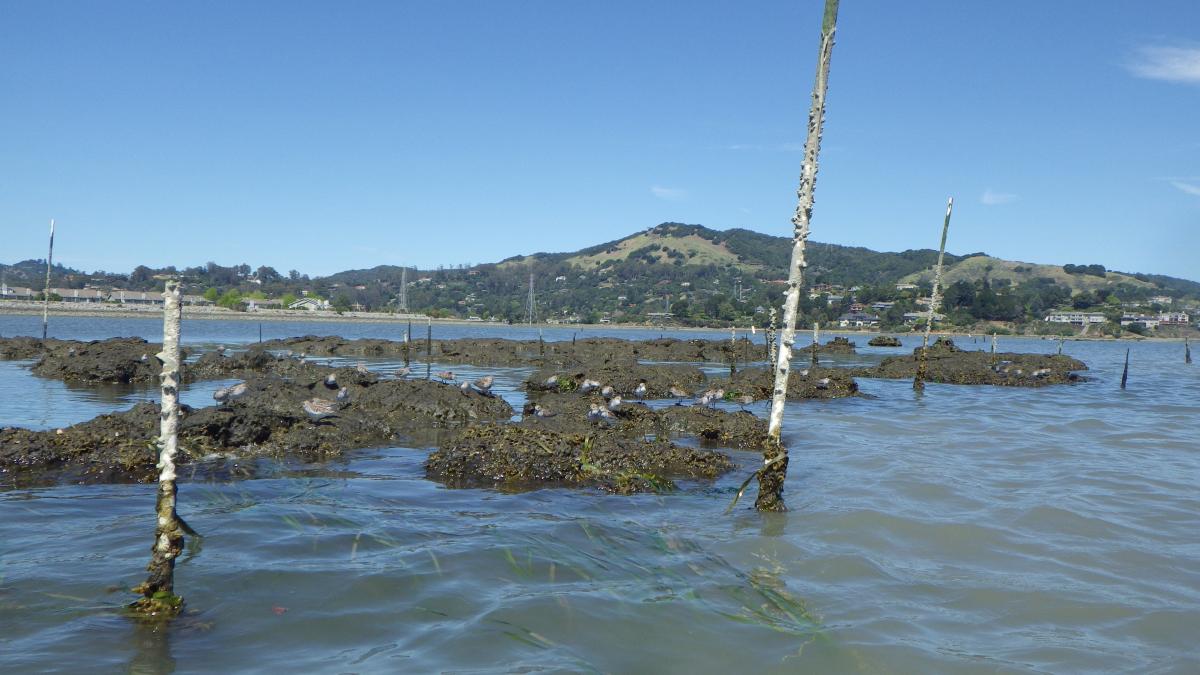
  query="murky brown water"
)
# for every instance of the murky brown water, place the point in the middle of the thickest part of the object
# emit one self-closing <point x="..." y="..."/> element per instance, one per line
<point x="973" y="529"/>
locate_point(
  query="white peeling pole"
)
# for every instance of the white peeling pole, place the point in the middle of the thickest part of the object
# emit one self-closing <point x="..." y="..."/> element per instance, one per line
<point x="46" y="291"/>
<point x="935" y="299"/>
<point x="774" y="470"/>
<point x="159" y="599"/>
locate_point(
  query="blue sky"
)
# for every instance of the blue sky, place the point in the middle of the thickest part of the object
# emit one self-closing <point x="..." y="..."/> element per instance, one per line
<point x="329" y="136"/>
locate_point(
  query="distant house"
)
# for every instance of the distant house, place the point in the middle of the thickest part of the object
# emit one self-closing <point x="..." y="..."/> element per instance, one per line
<point x="135" y="297"/>
<point x="906" y="287"/>
<point x="1174" y="319"/>
<point x="311" y="304"/>
<point x="1077" y="318"/>
<point x="196" y="300"/>
<point x="16" y="292"/>
<point x="1147" y="321"/>
<point x="913" y="317"/>
<point x="79" y="294"/>
<point x="858" y="320"/>
<point x="882" y="306"/>
<point x="1161" y="299"/>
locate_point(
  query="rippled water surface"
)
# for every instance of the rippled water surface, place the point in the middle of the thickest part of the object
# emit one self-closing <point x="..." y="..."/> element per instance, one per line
<point x="972" y="529"/>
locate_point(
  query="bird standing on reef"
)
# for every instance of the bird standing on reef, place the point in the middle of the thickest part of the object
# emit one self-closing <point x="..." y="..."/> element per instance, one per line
<point x="343" y="395"/>
<point x="640" y="390"/>
<point x="446" y="376"/>
<point x="238" y="390"/>
<point x="745" y="400"/>
<point x="484" y="385"/>
<point x="539" y="411"/>
<point x="331" y="381"/>
<point x="823" y="383"/>
<point x="607" y="391"/>
<point x="588" y="386"/>
<point x="402" y="373"/>
<point x="678" y="393"/>
<point x="318" y="409"/>
<point x="614" y="402"/>
<point x="221" y="395"/>
<point x="551" y="382"/>
<point x="362" y="368"/>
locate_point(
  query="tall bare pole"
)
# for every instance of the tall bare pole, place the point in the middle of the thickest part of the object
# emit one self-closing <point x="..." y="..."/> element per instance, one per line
<point x="775" y="459"/>
<point x="404" y="289"/>
<point x="158" y="592"/>
<point x="530" y="307"/>
<point x="935" y="299"/>
<point x="46" y="291"/>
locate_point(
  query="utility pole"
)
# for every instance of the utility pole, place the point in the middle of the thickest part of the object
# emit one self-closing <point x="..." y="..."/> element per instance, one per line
<point x="404" y="290"/>
<point x="530" y="304"/>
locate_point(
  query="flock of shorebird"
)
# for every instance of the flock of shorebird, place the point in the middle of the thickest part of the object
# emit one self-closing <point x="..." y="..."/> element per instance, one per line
<point x="318" y="409"/>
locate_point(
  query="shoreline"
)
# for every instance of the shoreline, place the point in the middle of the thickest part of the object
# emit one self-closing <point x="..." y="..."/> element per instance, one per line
<point x="100" y="310"/>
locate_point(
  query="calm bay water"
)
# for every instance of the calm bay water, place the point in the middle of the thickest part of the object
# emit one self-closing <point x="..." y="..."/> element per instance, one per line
<point x="972" y="529"/>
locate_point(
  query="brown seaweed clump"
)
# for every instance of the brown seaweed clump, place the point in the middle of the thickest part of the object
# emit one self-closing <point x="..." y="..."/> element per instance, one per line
<point x="884" y="341"/>
<point x="518" y="457"/>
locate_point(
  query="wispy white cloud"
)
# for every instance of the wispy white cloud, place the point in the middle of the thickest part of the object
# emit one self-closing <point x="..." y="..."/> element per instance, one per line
<point x="992" y="198"/>
<point x="671" y="194"/>
<point x="1171" y="64"/>
<point x="1189" y="188"/>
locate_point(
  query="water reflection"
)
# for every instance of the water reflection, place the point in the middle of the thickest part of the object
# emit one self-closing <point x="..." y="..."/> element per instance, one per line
<point x="152" y="649"/>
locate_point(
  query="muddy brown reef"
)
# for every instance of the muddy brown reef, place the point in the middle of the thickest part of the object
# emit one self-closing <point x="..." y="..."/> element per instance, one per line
<point x="950" y="365"/>
<point x="115" y="360"/>
<point x="884" y="341"/>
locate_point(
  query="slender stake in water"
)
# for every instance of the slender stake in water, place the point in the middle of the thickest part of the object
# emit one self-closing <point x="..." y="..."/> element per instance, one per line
<point x="46" y="291"/>
<point x="773" y="472"/>
<point x="1187" y="351"/>
<point x="428" y="348"/>
<point x="1125" y="372"/>
<point x="934" y="300"/>
<point x="407" y="341"/>
<point x="816" y="341"/>
<point x="158" y="592"/>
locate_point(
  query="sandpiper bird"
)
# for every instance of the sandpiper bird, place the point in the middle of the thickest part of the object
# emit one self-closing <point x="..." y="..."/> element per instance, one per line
<point x="614" y="402"/>
<point x="221" y="395"/>
<point x="640" y="390"/>
<point x="343" y="395"/>
<point x="607" y="391"/>
<point x="318" y="409"/>
<point x="445" y="376"/>
<point x="594" y="413"/>
<point x="588" y="386"/>
<point x="539" y="411"/>
<point x="404" y="372"/>
<point x="362" y="368"/>
<point x="465" y="387"/>
<point x="551" y="382"/>
<point x="331" y="381"/>
<point x="678" y="393"/>
<point x="804" y="373"/>
<point x="237" y="391"/>
<point x="144" y="357"/>
<point x="71" y="351"/>
<point x="484" y="384"/>
<point x="745" y="400"/>
<point x="823" y="383"/>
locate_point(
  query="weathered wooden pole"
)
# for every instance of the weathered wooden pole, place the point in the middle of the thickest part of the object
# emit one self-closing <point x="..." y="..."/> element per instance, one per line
<point x="1060" y="345"/>
<point x="407" y="343"/>
<point x="935" y="299"/>
<point x="771" y="337"/>
<point x="1187" y="351"/>
<point x="1125" y="372"/>
<point x="158" y="592"/>
<point x="260" y="333"/>
<point x="816" y="341"/>
<point x="46" y="291"/>
<point x="428" y="347"/>
<point x="993" y="349"/>
<point x="775" y="459"/>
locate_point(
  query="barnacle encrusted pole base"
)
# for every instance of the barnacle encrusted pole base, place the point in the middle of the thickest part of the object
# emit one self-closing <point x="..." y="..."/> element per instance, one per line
<point x="774" y="470"/>
<point x="159" y="600"/>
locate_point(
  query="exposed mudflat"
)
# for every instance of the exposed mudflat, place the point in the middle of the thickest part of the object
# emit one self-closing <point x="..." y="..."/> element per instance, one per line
<point x="947" y="364"/>
<point x="521" y="457"/>
<point x="115" y="360"/>
<point x="502" y="352"/>
<point x="267" y="420"/>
